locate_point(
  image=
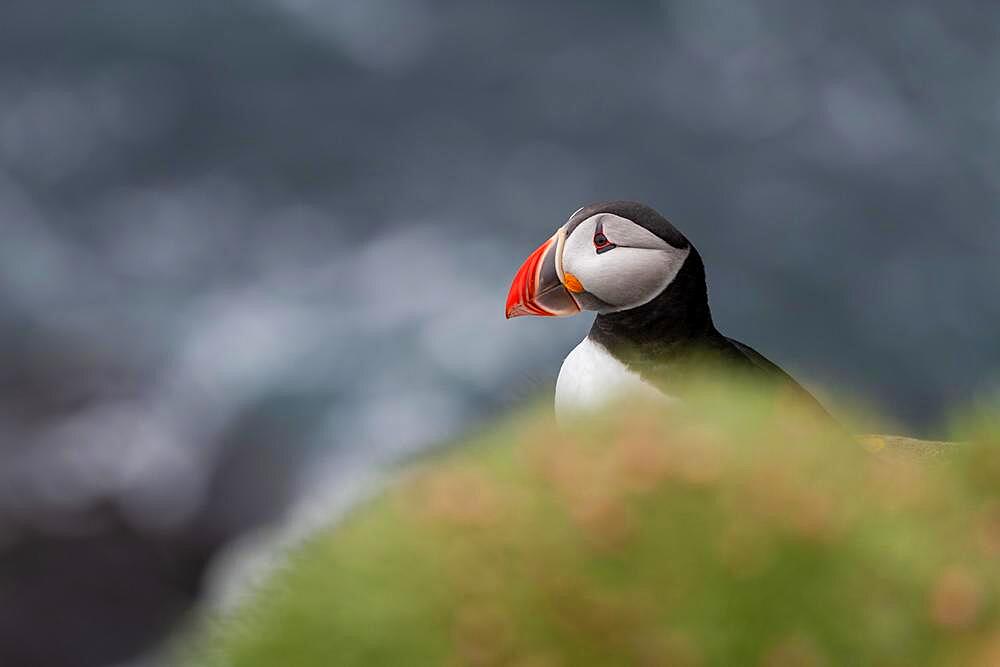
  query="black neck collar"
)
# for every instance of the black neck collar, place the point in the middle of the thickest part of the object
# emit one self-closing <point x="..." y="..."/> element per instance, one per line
<point x="675" y="322"/>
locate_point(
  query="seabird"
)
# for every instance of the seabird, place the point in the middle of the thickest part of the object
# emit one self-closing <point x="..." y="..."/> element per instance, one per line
<point x="646" y="282"/>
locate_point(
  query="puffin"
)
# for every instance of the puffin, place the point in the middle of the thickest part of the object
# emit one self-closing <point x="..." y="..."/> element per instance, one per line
<point x="653" y="331"/>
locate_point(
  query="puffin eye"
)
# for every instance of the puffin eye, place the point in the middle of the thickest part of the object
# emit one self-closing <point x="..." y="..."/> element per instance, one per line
<point x="601" y="242"/>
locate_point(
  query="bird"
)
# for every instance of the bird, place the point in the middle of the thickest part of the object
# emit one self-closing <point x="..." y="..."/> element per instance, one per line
<point x="654" y="329"/>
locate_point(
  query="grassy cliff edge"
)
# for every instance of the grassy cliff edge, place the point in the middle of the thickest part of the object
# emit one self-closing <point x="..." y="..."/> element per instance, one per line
<point x="733" y="530"/>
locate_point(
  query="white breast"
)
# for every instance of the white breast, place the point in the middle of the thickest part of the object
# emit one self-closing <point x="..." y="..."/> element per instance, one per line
<point x="590" y="377"/>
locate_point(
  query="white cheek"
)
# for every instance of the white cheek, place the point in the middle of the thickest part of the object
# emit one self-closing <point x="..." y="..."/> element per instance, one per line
<point x="623" y="277"/>
<point x="626" y="276"/>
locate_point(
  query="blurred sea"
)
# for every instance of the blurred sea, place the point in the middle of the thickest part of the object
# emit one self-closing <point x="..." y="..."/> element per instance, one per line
<point x="250" y="252"/>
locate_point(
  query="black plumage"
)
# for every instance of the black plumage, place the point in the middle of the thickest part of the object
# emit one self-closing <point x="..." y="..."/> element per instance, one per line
<point x="672" y="337"/>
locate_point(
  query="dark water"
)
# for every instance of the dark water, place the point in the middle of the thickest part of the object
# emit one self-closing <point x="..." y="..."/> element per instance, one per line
<point x="237" y="237"/>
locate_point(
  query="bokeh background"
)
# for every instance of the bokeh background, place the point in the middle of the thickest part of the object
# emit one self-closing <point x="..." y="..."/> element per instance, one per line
<point x="250" y="252"/>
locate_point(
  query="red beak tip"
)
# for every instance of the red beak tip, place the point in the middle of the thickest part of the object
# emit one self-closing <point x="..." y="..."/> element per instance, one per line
<point x="526" y="295"/>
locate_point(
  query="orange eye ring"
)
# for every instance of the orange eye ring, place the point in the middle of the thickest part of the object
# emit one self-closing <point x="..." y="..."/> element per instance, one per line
<point x="601" y="242"/>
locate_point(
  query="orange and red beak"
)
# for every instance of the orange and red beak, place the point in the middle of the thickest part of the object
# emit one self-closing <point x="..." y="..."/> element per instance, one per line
<point x="538" y="287"/>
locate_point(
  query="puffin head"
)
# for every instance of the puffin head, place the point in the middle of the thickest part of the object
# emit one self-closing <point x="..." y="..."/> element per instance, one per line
<point x="609" y="257"/>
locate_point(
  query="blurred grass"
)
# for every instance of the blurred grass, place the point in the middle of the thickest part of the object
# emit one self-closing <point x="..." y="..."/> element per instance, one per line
<point x="732" y="530"/>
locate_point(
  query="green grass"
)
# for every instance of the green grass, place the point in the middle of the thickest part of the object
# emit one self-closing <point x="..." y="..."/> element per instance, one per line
<point x="733" y="530"/>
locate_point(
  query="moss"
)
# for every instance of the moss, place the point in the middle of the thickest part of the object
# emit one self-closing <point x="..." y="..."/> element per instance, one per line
<point x="725" y="531"/>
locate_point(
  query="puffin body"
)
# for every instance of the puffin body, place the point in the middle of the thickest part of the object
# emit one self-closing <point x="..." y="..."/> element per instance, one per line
<point x="590" y="376"/>
<point x="654" y="329"/>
